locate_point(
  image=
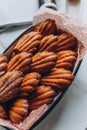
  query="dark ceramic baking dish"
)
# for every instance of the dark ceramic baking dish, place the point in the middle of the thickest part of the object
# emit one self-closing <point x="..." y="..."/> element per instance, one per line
<point x="60" y="95"/>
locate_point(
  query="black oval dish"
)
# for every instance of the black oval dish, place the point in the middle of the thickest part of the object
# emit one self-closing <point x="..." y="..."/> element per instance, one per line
<point x="60" y="95"/>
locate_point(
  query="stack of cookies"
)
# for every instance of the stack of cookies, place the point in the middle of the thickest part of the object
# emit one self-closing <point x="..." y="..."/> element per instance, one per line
<point x="40" y="67"/>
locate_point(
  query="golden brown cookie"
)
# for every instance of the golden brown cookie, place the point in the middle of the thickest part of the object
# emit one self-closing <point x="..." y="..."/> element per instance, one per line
<point x="28" y="43"/>
<point x="3" y="113"/>
<point x="46" y="28"/>
<point x="49" y="43"/>
<point x="9" y="85"/>
<point x="3" y="64"/>
<point x="37" y="104"/>
<point x="43" y="95"/>
<point x="43" y="61"/>
<point x="20" y="62"/>
<point x="66" y="59"/>
<point x="59" y="78"/>
<point x="18" y="110"/>
<point x="66" y="41"/>
<point x="30" y="81"/>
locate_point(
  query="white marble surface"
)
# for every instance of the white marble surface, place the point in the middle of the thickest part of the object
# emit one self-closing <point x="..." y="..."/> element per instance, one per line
<point x="71" y="112"/>
<point x="16" y="11"/>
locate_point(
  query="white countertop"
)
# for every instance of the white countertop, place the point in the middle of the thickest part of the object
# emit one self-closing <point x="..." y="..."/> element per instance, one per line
<point x="71" y="112"/>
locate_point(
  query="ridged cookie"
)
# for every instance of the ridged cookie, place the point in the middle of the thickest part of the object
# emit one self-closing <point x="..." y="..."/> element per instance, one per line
<point x="28" y="43"/>
<point x="20" y="62"/>
<point x="43" y="95"/>
<point x="66" y="41"/>
<point x="59" y="78"/>
<point x="30" y="81"/>
<point x="43" y="61"/>
<point x="66" y="59"/>
<point x="49" y="43"/>
<point x="9" y="85"/>
<point x="18" y="110"/>
<point x="3" y="64"/>
<point x="46" y="28"/>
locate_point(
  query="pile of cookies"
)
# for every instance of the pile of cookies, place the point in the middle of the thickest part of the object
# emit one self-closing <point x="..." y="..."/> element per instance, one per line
<point x="40" y="67"/>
